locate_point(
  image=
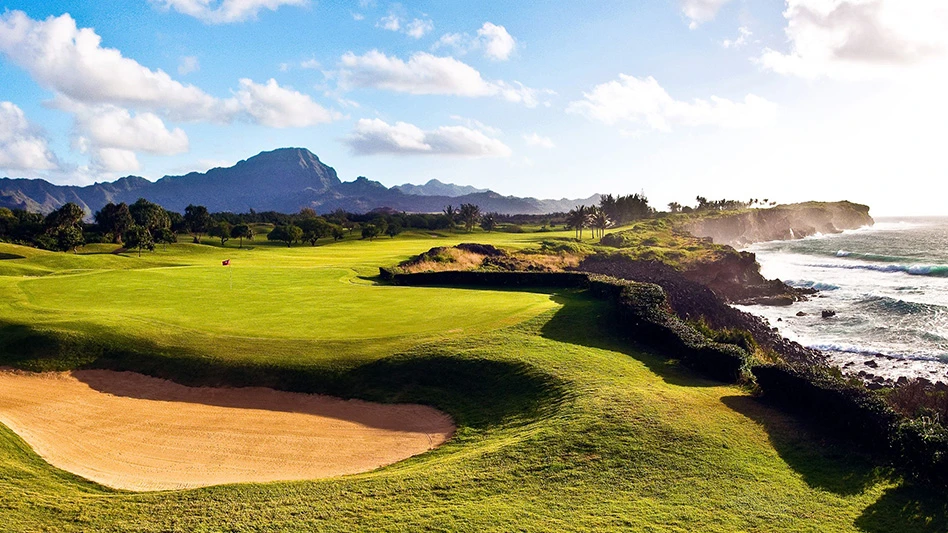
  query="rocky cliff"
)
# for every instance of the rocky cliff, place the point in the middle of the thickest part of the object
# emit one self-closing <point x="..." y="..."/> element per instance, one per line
<point x="793" y="221"/>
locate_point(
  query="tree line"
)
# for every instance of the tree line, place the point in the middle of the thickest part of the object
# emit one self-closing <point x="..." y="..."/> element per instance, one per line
<point x="143" y="224"/>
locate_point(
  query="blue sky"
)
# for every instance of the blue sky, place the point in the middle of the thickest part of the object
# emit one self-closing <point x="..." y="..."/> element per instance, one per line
<point x="794" y="100"/>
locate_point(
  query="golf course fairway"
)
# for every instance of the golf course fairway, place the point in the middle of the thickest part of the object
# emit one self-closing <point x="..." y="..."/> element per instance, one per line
<point x="562" y="423"/>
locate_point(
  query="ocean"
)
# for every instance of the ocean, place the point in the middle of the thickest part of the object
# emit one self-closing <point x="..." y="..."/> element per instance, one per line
<point x="888" y="285"/>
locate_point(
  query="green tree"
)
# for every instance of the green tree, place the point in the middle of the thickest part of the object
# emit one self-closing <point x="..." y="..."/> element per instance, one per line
<point x="577" y="219"/>
<point x="451" y="214"/>
<point x="197" y="220"/>
<point x="64" y="227"/>
<point x="287" y="234"/>
<point x="469" y="215"/>
<point x="393" y="229"/>
<point x="370" y="231"/>
<point x="599" y="220"/>
<point x="150" y="216"/>
<point x="222" y="230"/>
<point x="241" y="232"/>
<point x="314" y="229"/>
<point x="338" y="232"/>
<point x="138" y="237"/>
<point x="164" y="236"/>
<point x="114" y="219"/>
<point x="8" y="223"/>
<point x="489" y="222"/>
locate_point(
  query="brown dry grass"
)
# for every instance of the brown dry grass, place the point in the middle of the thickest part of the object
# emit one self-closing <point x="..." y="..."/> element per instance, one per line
<point x="451" y="259"/>
<point x="134" y="432"/>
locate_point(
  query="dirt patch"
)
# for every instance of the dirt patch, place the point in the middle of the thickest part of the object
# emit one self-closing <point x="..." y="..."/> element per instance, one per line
<point x="134" y="432"/>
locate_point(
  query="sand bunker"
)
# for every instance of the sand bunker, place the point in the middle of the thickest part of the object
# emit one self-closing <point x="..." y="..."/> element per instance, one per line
<point x="134" y="432"/>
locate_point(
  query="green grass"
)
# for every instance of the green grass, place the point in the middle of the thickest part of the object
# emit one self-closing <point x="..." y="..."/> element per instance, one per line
<point x="562" y="424"/>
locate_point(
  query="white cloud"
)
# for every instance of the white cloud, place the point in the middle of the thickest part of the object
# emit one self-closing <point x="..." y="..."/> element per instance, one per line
<point x="742" y="38"/>
<point x="310" y="64"/>
<point x="108" y="126"/>
<point x="418" y="28"/>
<point x="375" y="136"/>
<point x="630" y="99"/>
<point x="701" y="11"/>
<point x="188" y="65"/>
<point x="277" y="107"/>
<point x="357" y="16"/>
<point x="115" y="160"/>
<point x="71" y="61"/>
<point x="21" y="145"/>
<point x="497" y="44"/>
<point x="535" y="139"/>
<point x="424" y="73"/>
<point x="226" y="11"/>
<point x="857" y="39"/>
<point x="391" y="23"/>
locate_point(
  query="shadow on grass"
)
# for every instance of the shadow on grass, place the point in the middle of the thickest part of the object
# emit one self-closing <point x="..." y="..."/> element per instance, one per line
<point x="476" y="392"/>
<point x="587" y="321"/>
<point x="4" y="256"/>
<point x="906" y="509"/>
<point x="832" y="466"/>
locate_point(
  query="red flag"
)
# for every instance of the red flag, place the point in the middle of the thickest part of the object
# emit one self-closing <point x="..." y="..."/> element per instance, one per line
<point x="225" y="262"/>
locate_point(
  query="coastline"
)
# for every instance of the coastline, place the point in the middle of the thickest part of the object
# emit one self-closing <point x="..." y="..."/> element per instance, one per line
<point x="875" y="368"/>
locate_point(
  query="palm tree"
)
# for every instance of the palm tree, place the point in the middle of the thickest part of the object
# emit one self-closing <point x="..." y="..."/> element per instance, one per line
<point x="469" y="214"/>
<point x="451" y="214"/>
<point x="577" y="219"/>
<point x="599" y="220"/>
<point x="488" y="222"/>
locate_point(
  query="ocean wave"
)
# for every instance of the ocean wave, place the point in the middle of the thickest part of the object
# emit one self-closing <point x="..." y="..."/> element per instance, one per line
<point x="806" y="284"/>
<point x="882" y="258"/>
<point x="841" y="347"/>
<point x="937" y="271"/>
<point x="894" y="306"/>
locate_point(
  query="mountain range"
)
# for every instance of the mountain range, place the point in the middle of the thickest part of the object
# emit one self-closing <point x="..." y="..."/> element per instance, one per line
<point x="284" y="180"/>
<point x="437" y="188"/>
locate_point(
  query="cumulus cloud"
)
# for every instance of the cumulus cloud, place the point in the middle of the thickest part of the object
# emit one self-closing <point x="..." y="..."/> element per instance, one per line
<point x="278" y="107"/>
<point x="701" y="11"/>
<point x="109" y="126"/>
<point x="496" y="43"/>
<point x="631" y="99"/>
<point x="535" y="139"/>
<point x="72" y="62"/>
<point x="188" y="65"/>
<point x="114" y="160"/>
<point x="859" y="38"/>
<point x="22" y="147"/>
<point x="226" y="11"/>
<point x="375" y="136"/>
<point x="425" y="73"/>
<point x="119" y="105"/>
